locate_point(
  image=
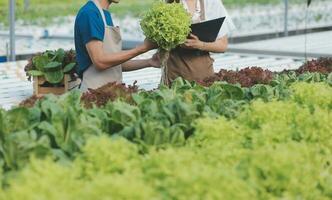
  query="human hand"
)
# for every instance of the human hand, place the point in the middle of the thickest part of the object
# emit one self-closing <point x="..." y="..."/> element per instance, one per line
<point x="155" y="61"/>
<point x="193" y="42"/>
<point x="149" y="45"/>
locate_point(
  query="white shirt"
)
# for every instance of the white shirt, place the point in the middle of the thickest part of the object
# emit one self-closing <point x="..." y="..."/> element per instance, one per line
<point x="215" y="9"/>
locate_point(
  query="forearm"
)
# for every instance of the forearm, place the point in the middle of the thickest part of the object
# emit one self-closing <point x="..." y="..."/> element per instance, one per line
<point x="103" y="60"/>
<point x="219" y="46"/>
<point x="132" y="65"/>
<point x="108" y="60"/>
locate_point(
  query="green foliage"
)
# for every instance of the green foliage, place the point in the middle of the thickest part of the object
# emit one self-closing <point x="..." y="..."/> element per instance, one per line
<point x="55" y="126"/>
<point x="264" y="92"/>
<point x="287" y="171"/>
<point x="279" y="149"/>
<point x="44" y="173"/>
<point x="101" y="162"/>
<point x="35" y="73"/>
<point x="318" y="94"/>
<point x="166" y="24"/>
<point x="183" y="142"/>
<point x="186" y="174"/>
<point x="18" y="141"/>
<point x="286" y="121"/>
<point x="52" y="65"/>
<point x="248" y="154"/>
<point x="102" y="155"/>
<point x="69" y="67"/>
<point x="54" y="77"/>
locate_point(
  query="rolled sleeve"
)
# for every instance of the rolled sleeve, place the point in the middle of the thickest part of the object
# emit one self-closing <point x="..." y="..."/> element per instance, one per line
<point x="90" y="28"/>
<point x="215" y="9"/>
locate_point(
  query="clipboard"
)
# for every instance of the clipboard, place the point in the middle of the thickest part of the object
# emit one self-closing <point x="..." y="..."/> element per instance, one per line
<point x="207" y="31"/>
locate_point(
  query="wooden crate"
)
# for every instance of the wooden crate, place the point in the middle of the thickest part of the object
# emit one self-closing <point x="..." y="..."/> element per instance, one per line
<point x="67" y="84"/>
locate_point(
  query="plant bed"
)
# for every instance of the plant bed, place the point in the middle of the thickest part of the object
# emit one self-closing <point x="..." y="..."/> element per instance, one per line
<point x="109" y="92"/>
<point x="250" y="76"/>
<point x="321" y="65"/>
<point x="272" y="149"/>
<point x="93" y="97"/>
<point x="245" y="77"/>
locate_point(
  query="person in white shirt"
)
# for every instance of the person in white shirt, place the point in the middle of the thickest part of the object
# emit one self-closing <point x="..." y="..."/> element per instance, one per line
<point x="192" y="60"/>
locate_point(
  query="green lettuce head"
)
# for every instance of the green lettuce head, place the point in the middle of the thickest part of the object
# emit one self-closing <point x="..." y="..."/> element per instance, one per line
<point x="166" y="24"/>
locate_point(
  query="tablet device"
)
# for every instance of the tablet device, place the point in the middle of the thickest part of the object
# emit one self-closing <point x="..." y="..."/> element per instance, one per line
<point x="207" y="31"/>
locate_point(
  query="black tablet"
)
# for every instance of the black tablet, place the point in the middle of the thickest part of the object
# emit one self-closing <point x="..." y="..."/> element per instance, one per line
<point x="207" y="31"/>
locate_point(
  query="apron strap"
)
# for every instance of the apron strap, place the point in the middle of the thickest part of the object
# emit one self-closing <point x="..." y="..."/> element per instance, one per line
<point x="96" y="2"/>
<point x="202" y="10"/>
<point x="200" y="7"/>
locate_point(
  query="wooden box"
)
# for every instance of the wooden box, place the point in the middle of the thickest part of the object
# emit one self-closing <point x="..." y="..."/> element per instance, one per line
<point x="41" y="86"/>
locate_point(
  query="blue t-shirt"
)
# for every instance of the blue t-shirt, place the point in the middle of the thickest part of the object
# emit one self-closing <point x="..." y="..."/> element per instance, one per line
<point x="89" y="26"/>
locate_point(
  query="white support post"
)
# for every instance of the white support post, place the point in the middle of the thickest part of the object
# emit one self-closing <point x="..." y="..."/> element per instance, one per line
<point x="12" y="56"/>
<point x="286" y="18"/>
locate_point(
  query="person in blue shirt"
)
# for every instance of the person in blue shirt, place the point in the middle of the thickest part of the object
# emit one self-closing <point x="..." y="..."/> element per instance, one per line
<point x="98" y="47"/>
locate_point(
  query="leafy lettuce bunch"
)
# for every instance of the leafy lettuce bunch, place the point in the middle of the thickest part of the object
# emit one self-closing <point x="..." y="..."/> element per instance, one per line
<point x="166" y="24"/>
<point x="314" y="94"/>
<point x="53" y="65"/>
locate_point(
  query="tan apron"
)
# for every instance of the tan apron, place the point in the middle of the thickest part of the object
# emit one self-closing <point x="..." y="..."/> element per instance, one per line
<point x="193" y="65"/>
<point x="112" y="43"/>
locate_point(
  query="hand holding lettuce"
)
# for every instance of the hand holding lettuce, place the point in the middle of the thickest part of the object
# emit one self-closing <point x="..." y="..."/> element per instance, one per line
<point x="168" y="25"/>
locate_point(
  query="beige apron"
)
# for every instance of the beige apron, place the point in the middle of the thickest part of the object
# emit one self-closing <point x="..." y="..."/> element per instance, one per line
<point x="193" y="65"/>
<point x="112" y="43"/>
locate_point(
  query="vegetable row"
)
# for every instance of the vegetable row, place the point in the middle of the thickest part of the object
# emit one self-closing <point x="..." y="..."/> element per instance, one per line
<point x="266" y="141"/>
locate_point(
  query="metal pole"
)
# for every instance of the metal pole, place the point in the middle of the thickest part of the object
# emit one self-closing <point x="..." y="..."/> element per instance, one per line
<point x="12" y="29"/>
<point x="7" y="51"/>
<point x="286" y="18"/>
